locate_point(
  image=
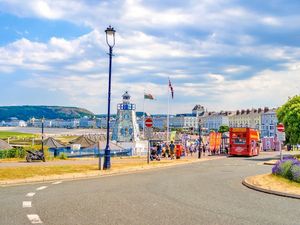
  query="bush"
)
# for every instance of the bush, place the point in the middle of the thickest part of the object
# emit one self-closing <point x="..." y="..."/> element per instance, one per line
<point x="20" y="153"/>
<point x="3" y="154"/>
<point x="295" y="170"/>
<point x="11" y="153"/>
<point x="63" y="156"/>
<point x="288" y="168"/>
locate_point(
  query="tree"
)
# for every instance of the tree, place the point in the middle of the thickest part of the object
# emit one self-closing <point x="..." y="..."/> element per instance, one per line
<point x="289" y="115"/>
<point x="223" y="129"/>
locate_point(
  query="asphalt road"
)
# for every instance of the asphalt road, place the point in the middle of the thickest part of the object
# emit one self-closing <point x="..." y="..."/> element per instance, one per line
<point x="209" y="192"/>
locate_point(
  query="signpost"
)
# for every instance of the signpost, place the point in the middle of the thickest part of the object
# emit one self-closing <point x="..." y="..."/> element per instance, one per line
<point x="148" y="134"/>
<point x="149" y="122"/>
<point x="281" y="137"/>
<point x="280" y="127"/>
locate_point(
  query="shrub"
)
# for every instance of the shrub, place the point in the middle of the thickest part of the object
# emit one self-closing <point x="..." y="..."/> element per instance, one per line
<point x="11" y="153"/>
<point x="21" y="153"/>
<point x="295" y="170"/>
<point x="288" y="157"/>
<point x="63" y="156"/>
<point x="3" y="154"/>
<point x="288" y="168"/>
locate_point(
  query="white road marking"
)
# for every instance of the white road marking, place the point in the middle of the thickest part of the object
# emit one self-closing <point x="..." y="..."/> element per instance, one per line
<point x="27" y="204"/>
<point x="34" y="218"/>
<point x="57" y="182"/>
<point x="41" y="188"/>
<point x="30" y="194"/>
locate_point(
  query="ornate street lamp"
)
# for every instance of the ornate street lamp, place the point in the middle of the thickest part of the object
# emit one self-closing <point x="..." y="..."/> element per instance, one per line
<point x="110" y="40"/>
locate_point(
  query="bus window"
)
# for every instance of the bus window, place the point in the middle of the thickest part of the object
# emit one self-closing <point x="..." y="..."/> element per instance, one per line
<point x="239" y="141"/>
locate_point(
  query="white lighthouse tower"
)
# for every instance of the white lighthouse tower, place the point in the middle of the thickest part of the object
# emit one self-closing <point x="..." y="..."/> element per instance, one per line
<point x="126" y="128"/>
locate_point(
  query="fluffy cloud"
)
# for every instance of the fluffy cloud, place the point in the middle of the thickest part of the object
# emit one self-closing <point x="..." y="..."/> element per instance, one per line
<point x="222" y="54"/>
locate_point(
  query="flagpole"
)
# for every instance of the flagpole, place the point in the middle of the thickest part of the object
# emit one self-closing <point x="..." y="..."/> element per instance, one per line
<point x="168" y="116"/>
<point x="144" y="115"/>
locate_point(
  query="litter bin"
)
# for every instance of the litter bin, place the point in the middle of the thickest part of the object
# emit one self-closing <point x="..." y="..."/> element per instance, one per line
<point x="178" y="151"/>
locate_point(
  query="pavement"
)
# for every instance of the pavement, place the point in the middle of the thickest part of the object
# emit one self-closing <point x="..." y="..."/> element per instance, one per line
<point x="207" y="192"/>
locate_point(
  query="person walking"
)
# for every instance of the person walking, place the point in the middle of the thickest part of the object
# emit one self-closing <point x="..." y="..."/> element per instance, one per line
<point x="172" y="149"/>
<point x="159" y="149"/>
<point x="167" y="150"/>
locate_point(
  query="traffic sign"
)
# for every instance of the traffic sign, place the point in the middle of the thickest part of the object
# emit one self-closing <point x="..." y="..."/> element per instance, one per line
<point x="281" y="136"/>
<point x="148" y="122"/>
<point x="148" y="133"/>
<point x="280" y="127"/>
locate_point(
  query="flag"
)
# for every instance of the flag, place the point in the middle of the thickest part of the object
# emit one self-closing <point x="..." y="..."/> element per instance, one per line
<point x="171" y="88"/>
<point x="148" y="96"/>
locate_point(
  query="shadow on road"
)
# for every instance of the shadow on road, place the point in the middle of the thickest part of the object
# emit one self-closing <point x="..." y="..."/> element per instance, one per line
<point x="262" y="159"/>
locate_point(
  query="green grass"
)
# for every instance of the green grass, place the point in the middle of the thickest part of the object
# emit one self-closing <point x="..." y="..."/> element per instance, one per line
<point x="9" y="134"/>
<point x="285" y="180"/>
<point x="32" y="171"/>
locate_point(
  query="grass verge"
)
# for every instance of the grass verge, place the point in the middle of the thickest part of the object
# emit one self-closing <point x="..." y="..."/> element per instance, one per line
<point x="9" y="134"/>
<point x="275" y="183"/>
<point x="13" y="173"/>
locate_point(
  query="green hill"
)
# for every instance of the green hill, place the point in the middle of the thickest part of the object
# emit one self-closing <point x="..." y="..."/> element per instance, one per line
<point x="49" y="112"/>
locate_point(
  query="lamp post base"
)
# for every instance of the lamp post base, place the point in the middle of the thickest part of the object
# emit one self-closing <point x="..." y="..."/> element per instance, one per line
<point x="106" y="164"/>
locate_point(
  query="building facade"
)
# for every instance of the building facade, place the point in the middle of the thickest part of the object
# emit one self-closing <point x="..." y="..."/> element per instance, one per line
<point x="246" y="118"/>
<point x="213" y="120"/>
<point x="268" y="123"/>
<point x="185" y="121"/>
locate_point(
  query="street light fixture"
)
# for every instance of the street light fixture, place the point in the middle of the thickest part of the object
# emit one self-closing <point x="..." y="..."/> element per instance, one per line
<point x="110" y="40"/>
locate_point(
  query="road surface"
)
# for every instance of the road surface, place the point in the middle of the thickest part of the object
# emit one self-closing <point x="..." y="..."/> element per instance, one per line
<point x="209" y="192"/>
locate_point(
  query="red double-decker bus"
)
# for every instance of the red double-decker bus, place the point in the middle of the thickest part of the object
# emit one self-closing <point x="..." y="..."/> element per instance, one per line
<point x="243" y="141"/>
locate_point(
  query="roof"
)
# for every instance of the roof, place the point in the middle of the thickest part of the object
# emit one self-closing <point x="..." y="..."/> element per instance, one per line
<point x="102" y="144"/>
<point x="96" y="137"/>
<point x="198" y="107"/>
<point x="84" y="141"/>
<point x="52" y="143"/>
<point x="4" y="145"/>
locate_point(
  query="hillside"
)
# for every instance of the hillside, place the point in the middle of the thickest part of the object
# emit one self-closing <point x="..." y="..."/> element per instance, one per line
<point x="49" y="112"/>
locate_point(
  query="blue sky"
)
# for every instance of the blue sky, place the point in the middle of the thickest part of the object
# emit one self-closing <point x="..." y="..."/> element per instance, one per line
<point x="223" y="54"/>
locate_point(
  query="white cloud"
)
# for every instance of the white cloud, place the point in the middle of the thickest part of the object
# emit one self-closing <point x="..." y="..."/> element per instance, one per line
<point x="152" y="44"/>
<point x="236" y="69"/>
<point x="272" y="21"/>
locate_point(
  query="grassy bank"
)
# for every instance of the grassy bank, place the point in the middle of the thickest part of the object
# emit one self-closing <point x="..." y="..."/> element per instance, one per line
<point x="9" y="134"/>
<point x="12" y="173"/>
<point x="275" y="183"/>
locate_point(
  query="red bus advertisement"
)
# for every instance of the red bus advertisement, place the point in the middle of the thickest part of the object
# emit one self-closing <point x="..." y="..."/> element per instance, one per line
<point x="243" y="141"/>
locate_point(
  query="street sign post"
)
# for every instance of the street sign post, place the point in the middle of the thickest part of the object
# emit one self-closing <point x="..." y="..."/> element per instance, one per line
<point x="149" y="122"/>
<point x="280" y="127"/>
<point x="281" y="137"/>
<point x="148" y="134"/>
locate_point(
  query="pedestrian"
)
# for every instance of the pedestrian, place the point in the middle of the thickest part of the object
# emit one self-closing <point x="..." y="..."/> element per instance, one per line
<point x="159" y="149"/>
<point x="172" y="149"/>
<point x="167" y="150"/>
<point x="204" y="147"/>
<point x="192" y="146"/>
<point x="163" y="151"/>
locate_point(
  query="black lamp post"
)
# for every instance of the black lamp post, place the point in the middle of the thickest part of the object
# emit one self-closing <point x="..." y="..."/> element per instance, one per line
<point x="110" y="40"/>
<point x="43" y="120"/>
<point x="200" y="140"/>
